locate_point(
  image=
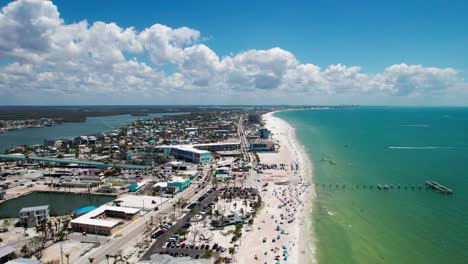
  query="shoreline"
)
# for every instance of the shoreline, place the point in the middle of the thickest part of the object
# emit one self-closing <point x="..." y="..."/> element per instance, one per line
<point x="287" y="202"/>
<point x="306" y="239"/>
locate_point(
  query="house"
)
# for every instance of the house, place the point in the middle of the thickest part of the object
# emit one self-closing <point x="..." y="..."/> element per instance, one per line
<point x="33" y="216"/>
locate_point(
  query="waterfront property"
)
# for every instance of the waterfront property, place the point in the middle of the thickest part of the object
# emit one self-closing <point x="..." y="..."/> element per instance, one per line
<point x="104" y="220"/>
<point x="33" y="216"/>
<point x="83" y="210"/>
<point x="262" y="145"/>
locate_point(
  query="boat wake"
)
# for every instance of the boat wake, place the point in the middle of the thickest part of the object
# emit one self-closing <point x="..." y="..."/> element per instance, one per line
<point x="416" y="125"/>
<point x="428" y="147"/>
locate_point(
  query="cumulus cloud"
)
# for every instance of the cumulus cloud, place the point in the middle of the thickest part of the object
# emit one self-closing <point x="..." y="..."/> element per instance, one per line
<point x="47" y="56"/>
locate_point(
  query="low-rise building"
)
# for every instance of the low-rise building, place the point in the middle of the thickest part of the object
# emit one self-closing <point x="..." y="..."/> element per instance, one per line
<point x="104" y="220"/>
<point x="262" y="145"/>
<point x="33" y="216"/>
<point x="180" y="183"/>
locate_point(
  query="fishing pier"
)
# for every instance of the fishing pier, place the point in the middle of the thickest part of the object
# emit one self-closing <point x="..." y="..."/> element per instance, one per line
<point x="438" y="187"/>
<point x="430" y="185"/>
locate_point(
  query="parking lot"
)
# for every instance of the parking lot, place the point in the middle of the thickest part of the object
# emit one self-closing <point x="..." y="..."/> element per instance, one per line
<point x="160" y="246"/>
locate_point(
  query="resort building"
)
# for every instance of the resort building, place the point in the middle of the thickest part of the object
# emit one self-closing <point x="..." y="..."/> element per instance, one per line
<point x="262" y="145"/>
<point x="104" y="220"/>
<point x="198" y="153"/>
<point x="33" y="216"/>
<point x="264" y="133"/>
<point x="254" y="118"/>
<point x="221" y="146"/>
<point x="189" y="153"/>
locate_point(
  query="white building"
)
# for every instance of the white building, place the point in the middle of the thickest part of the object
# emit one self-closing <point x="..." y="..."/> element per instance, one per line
<point x="33" y="216"/>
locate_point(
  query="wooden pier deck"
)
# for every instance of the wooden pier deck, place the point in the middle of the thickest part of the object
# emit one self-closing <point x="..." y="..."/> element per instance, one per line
<point x="438" y="187"/>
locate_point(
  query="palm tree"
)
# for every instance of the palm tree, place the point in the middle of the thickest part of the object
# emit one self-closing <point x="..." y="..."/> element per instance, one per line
<point x="91" y="260"/>
<point x="107" y="258"/>
<point x="174" y="205"/>
<point x="232" y="251"/>
<point x="67" y="255"/>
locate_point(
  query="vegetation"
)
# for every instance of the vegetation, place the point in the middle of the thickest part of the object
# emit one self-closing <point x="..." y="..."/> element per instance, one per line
<point x="208" y="254"/>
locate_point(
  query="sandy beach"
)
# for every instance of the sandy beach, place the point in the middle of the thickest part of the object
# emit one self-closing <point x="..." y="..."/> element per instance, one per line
<point x="281" y="230"/>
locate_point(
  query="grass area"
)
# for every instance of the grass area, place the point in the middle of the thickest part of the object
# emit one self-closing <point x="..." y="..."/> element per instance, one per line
<point x="117" y="183"/>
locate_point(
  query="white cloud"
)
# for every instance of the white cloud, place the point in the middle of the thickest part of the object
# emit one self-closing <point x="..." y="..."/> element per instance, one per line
<point x="80" y="60"/>
<point x="165" y="44"/>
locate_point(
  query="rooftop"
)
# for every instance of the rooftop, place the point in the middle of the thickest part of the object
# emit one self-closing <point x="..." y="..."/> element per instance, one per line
<point x="89" y="218"/>
<point x="34" y="208"/>
<point x="23" y="261"/>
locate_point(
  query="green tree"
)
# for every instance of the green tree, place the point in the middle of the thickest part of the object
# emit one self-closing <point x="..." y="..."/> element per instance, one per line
<point x="208" y="254"/>
<point x="232" y="251"/>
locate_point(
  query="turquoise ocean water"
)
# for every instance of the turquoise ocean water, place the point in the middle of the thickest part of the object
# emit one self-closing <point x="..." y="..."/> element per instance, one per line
<point x="405" y="146"/>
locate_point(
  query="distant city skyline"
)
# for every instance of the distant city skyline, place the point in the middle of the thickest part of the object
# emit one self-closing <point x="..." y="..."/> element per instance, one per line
<point x="240" y="52"/>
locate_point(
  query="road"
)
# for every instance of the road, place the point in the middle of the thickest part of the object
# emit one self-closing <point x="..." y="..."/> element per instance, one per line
<point x="133" y="232"/>
<point x="243" y="139"/>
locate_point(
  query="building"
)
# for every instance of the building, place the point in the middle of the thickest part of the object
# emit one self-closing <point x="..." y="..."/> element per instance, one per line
<point x="262" y="145"/>
<point x="6" y="253"/>
<point x="33" y="216"/>
<point x="83" y="210"/>
<point x="162" y="187"/>
<point x="23" y="261"/>
<point x="254" y="117"/>
<point x="104" y="220"/>
<point x="220" y="146"/>
<point x="264" y="133"/>
<point x="189" y="153"/>
<point x="180" y="183"/>
<point x="167" y="259"/>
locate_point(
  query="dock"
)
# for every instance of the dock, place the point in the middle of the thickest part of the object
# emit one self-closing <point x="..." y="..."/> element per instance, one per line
<point x="383" y="187"/>
<point x="438" y="187"/>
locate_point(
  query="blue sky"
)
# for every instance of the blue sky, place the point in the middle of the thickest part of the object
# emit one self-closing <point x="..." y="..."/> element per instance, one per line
<point x="372" y="35"/>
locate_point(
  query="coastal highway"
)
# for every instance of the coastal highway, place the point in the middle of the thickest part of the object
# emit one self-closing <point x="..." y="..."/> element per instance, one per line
<point x="133" y="232"/>
<point x="243" y="139"/>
